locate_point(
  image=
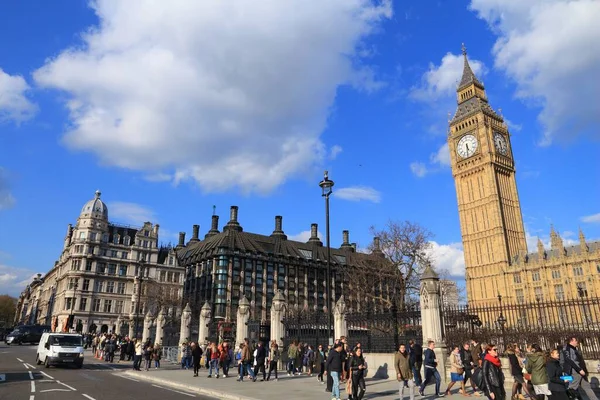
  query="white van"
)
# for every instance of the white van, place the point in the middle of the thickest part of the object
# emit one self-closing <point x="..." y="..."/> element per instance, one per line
<point x="60" y="349"/>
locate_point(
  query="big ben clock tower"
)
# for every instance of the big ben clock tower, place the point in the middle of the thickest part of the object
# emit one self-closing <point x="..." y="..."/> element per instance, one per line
<point x="488" y="202"/>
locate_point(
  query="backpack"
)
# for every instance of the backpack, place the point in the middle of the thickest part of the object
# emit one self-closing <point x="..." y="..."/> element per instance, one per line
<point x="293" y="352"/>
<point x="477" y="377"/>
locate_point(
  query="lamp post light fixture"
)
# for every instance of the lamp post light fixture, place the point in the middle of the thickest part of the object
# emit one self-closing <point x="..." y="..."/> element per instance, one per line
<point x="501" y="321"/>
<point x="140" y="278"/>
<point x="327" y="188"/>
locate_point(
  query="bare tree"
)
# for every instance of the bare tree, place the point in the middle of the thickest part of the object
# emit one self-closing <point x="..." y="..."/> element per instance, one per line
<point x="403" y="246"/>
<point x="159" y="296"/>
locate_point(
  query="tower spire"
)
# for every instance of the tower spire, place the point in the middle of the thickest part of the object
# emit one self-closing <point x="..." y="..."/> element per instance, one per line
<point x="468" y="76"/>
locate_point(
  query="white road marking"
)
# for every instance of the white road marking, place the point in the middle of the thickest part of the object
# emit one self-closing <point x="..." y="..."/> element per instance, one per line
<point x="65" y="385"/>
<point x="31" y="397"/>
<point x="54" y="390"/>
<point x="88" y="397"/>
<point x="26" y="365"/>
<point x="32" y="367"/>
<point x="46" y="375"/>
<point x="32" y="386"/>
<point x="30" y="375"/>
<point x="131" y="379"/>
<point x="19" y="360"/>
<point x="44" y="381"/>
<point x="172" y="390"/>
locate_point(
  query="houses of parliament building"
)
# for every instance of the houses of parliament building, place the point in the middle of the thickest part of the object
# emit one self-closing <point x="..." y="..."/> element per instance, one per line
<point x="497" y="260"/>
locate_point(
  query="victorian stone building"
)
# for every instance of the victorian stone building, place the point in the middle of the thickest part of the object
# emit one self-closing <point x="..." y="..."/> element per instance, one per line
<point x="96" y="278"/>
<point x="495" y="248"/>
<point x="227" y="265"/>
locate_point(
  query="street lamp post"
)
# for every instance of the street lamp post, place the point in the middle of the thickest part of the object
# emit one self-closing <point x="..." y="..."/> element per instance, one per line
<point x="501" y="321"/>
<point x="139" y="297"/>
<point x="327" y="188"/>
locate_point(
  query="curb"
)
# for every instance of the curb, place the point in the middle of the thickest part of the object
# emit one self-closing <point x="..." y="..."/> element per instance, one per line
<point x="190" y="388"/>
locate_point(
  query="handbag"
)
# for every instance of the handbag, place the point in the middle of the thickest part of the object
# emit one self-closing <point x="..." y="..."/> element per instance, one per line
<point x="460" y="371"/>
<point x="527" y="376"/>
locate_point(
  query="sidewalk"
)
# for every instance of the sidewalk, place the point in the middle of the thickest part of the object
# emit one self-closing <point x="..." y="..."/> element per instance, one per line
<point x="294" y="387"/>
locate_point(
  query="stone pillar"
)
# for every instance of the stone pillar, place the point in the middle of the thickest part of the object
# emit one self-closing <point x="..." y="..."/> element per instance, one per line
<point x="160" y="324"/>
<point x="147" y="326"/>
<point x="278" y="309"/>
<point x="131" y="326"/>
<point x="339" y="319"/>
<point x="431" y="316"/>
<point x="186" y="318"/>
<point x="205" y="317"/>
<point x="243" y="315"/>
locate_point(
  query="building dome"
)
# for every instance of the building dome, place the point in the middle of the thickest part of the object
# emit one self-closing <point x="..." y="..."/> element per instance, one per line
<point x="95" y="208"/>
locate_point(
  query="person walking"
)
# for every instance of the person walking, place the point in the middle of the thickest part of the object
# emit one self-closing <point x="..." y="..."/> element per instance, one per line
<point x="357" y="370"/>
<point x="416" y="354"/>
<point x="334" y="368"/>
<point x="431" y="371"/>
<point x="320" y="363"/>
<point x="556" y="380"/>
<point x="404" y="372"/>
<point x="274" y="356"/>
<point x="457" y="369"/>
<point x="536" y="366"/>
<point x="493" y="378"/>
<point x="196" y="357"/>
<point x="574" y="365"/>
<point x="259" y="361"/>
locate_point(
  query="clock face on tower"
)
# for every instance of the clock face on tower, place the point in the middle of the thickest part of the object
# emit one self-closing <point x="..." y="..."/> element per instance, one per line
<point x="500" y="143"/>
<point x="466" y="146"/>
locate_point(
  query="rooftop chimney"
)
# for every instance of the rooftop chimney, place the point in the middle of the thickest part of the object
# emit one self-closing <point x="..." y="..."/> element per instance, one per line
<point x="314" y="237"/>
<point x="278" y="232"/>
<point x="195" y="233"/>
<point x="214" y="227"/>
<point x="155" y="230"/>
<point x="346" y="240"/>
<point x="181" y="240"/>
<point x="233" y="223"/>
<point x="377" y="247"/>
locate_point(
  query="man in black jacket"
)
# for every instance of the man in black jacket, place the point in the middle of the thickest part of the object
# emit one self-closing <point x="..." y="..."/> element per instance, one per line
<point x="261" y="356"/>
<point x="431" y="370"/>
<point x="416" y="358"/>
<point x="574" y="365"/>
<point x="334" y="368"/>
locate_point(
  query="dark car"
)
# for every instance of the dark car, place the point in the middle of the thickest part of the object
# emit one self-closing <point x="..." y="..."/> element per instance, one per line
<point x="26" y="334"/>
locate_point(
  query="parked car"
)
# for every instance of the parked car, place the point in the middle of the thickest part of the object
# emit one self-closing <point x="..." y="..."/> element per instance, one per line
<point x="60" y="349"/>
<point x="26" y="334"/>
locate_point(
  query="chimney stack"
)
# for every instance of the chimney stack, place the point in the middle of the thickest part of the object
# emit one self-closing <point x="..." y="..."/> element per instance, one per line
<point x="377" y="247"/>
<point x="214" y="227"/>
<point x="195" y="233"/>
<point x="346" y="240"/>
<point x="155" y="229"/>
<point x="278" y="232"/>
<point x="314" y="237"/>
<point x="233" y="223"/>
<point x="181" y="239"/>
<point x="353" y="247"/>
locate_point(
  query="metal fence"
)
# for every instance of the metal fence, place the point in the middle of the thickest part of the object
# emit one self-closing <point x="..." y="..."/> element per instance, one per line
<point x="171" y="354"/>
<point x="383" y="330"/>
<point x="308" y="327"/>
<point x="546" y="323"/>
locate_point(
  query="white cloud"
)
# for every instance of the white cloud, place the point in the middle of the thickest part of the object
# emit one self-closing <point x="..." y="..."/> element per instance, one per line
<point x="13" y="280"/>
<point x="358" y="193"/>
<point x="131" y="213"/>
<point x="304" y="236"/>
<point x="14" y="104"/>
<point x="442" y="156"/>
<point x="335" y="151"/>
<point x="419" y="169"/>
<point x="549" y="48"/>
<point x="440" y="81"/>
<point x="229" y="94"/>
<point x="591" y="219"/>
<point x="449" y="257"/>
<point x="158" y="177"/>
<point x="7" y="200"/>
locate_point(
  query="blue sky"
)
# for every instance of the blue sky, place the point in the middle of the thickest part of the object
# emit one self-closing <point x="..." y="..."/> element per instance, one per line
<point x="170" y="109"/>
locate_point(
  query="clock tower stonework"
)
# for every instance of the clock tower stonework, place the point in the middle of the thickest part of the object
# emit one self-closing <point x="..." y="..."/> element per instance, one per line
<point x="488" y="202"/>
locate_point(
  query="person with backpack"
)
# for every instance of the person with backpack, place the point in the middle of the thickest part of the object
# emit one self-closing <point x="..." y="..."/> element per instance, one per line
<point x="292" y="357"/>
<point x="574" y="365"/>
<point x="491" y="371"/>
<point x="259" y="361"/>
<point x="556" y="379"/>
<point x="536" y="367"/>
<point x="309" y="359"/>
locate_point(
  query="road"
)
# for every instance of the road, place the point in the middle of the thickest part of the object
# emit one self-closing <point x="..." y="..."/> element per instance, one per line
<point x="21" y="378"/>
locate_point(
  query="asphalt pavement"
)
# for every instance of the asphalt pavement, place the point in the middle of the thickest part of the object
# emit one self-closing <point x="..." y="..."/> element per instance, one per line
<point x="21" y="378"/>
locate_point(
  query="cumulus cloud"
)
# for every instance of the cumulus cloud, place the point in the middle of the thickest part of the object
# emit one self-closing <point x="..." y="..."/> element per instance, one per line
<point x="358" y="193"/>
<point x="442" y="156"/>
<point x="591" y="219"/>
<point x="14" y="104"/>
<point x="7" y="200"/>
<point x="448" y="257"/>
<point x="547" y="47"/>
<point x="304" y="236"/>
<point x="440" y="80"/>
<point x="418" y="169"/>
<point x="131" y="213"/>
<point x="335" y="151"/>
<point x="228" y="94"/>
<point x="13" y="280"/>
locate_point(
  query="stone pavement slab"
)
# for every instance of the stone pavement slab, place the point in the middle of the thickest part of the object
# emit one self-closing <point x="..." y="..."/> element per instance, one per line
<point x="295" y="387"/>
